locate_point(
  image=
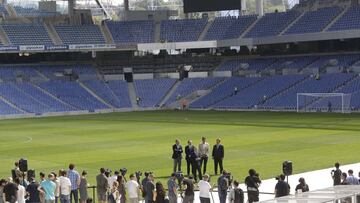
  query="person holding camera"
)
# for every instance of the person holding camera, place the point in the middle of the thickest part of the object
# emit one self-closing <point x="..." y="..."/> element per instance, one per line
<point x="177" y="155"/>
<point x="218" y="155"/>
<point x="149" y="189"/>
<point x="236" y="193"/>
<point x="252" y="182"/>
<point x="189" y="190"/>
<point x="203" y="153"/>
<point x="336" y="174"/>
<point x="132" y="187"/>
<point x="204" y="188"/>
<point x="282" y="188"/>
<point x="223" y="185"/>
<point x="172" y="188"/>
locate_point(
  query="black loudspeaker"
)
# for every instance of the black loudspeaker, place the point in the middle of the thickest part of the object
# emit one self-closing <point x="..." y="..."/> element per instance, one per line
<point x="30" y="174"/>
<point x="23" y="165"/>
<point x="287" y="168"/>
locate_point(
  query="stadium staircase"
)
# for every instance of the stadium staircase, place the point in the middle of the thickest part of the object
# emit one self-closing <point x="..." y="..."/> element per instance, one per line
<point x="106" y="33"/>
<point x="280" y="92"/>
<point x="208" y="91"/>
<point x="250" y="27"/>
<point x="4" y="38"/>
<point x="53" y="96"/>
<point x="336" y="19"/>
<point x="53" y="34"/>
<point x="12" y="105"/>
<point x="169" y="93"/>
<point x="240" y="89"/>
<point x="157" y="31"/>
<point x="11" y="11"/>
<point x="189" y="98"/>
<point x="132" y="94"/>
<point x="205" y="30"/>
<point x="95" y="95"/>
<point x="292" y="23"/>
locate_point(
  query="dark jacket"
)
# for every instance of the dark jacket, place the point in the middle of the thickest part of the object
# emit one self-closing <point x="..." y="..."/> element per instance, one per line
<point x="190" y="153"/>
<point x="218" y="152"/>
<point x="177" y="152"/>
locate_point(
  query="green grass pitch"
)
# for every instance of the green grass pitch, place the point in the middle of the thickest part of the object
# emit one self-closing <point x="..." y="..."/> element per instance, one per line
<point x="143" y="140"/>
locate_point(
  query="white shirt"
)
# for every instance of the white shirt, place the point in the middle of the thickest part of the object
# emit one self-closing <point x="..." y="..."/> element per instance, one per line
<point x="65" y="185"/>
<point x="111" y="180"/>
<point x="57" y="190"/>
<point x="21" y="194"/>
<point x="204" y="149"/>
<point x="204" y="188"/>
<point x="132" y="186"/>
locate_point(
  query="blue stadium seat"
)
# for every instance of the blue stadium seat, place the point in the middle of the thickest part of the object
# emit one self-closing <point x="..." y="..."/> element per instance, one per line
<point x="131" y="31"/>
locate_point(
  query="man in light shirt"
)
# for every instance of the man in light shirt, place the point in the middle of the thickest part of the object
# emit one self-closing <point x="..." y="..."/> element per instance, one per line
<point x="20" y="192"/>
<point x="65" y="187"/>
<point x="48" y="188"/>
<point x="133" y="189"/>
<point x="204" y="188"/>
<point x="113" y="178"/>
<point x="351" y="179"/>
<point x="203" y="153"/>
<point x="74" y="177"/>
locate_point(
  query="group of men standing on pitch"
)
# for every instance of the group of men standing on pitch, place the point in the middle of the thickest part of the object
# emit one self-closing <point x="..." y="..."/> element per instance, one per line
<point x="197" y="158"/>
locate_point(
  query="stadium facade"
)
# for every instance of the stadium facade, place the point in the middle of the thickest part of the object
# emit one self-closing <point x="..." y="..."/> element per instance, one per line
<point x="53" y="64"/>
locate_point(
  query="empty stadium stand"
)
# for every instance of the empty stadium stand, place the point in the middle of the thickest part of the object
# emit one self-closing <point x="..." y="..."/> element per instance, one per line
<point x="131" y="31"/>
<point x="182" y="30"/>
<point x="27" y="34"/>
<point x="84" y="34"/>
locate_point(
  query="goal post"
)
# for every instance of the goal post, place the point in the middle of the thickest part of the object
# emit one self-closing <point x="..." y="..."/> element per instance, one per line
<point x="323" y="102"/>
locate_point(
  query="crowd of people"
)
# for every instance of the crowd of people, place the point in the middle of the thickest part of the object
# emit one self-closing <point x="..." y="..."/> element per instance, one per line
<point x="69" y="186"/>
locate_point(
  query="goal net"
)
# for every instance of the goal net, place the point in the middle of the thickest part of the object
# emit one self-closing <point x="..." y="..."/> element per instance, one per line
<point x="323" y="102"/>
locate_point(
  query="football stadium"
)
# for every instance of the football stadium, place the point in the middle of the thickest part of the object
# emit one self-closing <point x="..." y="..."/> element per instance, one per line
<point x="179" y="101"/>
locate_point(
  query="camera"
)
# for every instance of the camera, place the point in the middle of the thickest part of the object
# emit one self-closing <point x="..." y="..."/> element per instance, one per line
<point x="229" y="177"/>
<point x="108" y="172"/>
<point x="147" y="173"/>
<point x="123" y="171"/>
<point x="179" y="176"/>
<point x="138" y="174"/>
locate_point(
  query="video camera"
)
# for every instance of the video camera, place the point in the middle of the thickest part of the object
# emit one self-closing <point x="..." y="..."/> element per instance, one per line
<point x="107" y="172"/>
<point x="138" y="174"/>
<point x="147" y="173"/>
<point x="179" y="176"/>
<point x="123" y="171"/>
<point x="229" y="177"/>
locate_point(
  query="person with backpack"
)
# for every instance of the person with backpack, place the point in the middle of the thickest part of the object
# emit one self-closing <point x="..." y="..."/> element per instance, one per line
<point x="236" y="193"/>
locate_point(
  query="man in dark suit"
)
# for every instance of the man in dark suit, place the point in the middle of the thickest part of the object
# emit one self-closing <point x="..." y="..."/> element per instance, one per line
<point x="218" y="155"/>
<point x="177" y="155"/>
<point x="189" y="152"/>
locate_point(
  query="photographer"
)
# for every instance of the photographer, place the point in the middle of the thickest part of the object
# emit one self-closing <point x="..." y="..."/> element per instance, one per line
<point x="236" y="194"/>
<point x="149" y="189"/>
<point x="336" y="174"/>
<point x="143" y="183"/>
<point x="282" y="188"/>
<point x="252" y="183"/>
<point x="204" y="188"/>
<point x="172" y="187"/>
<point x="223" y="185"/>
<point x="189" y="190"/>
